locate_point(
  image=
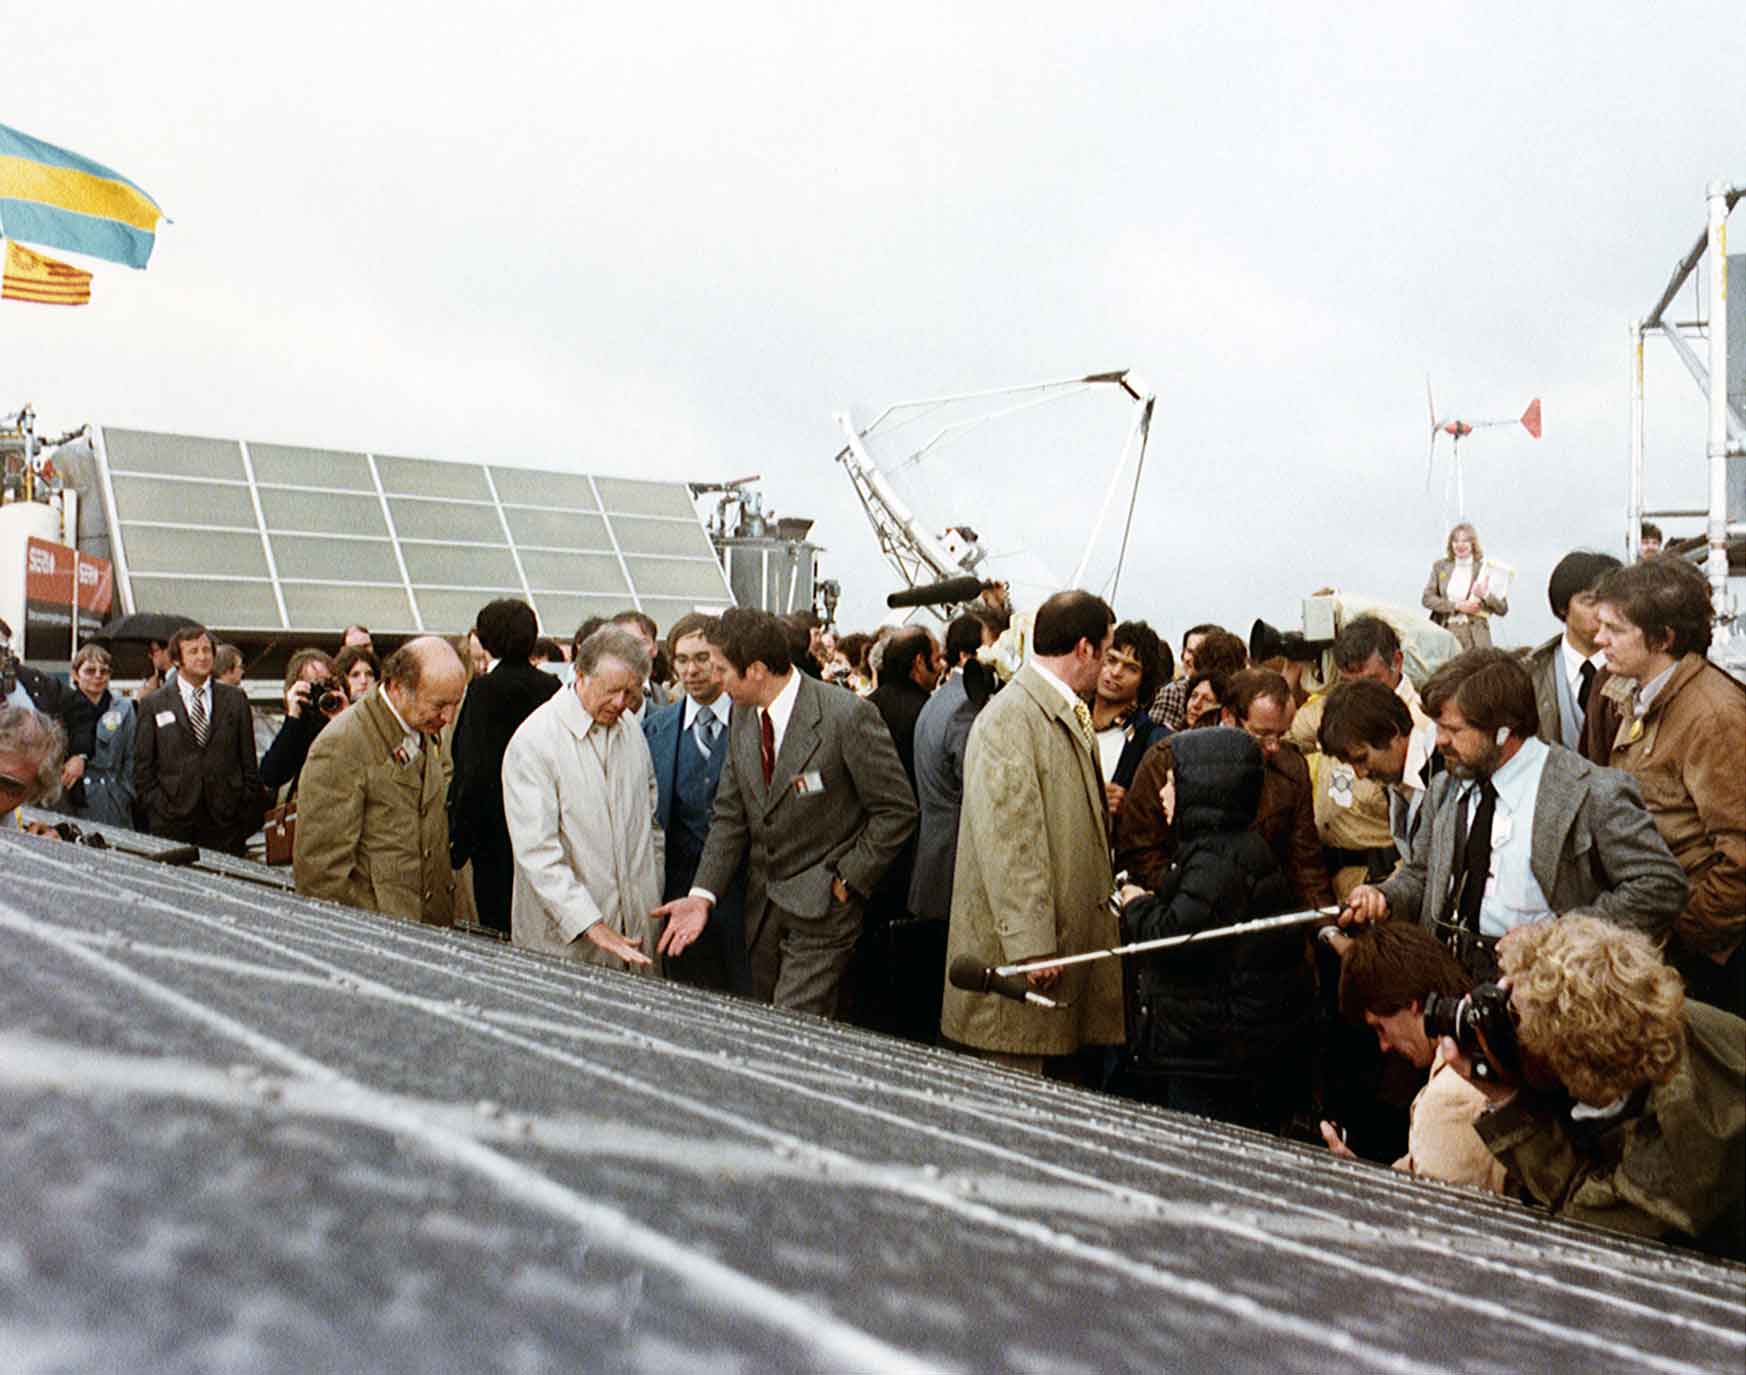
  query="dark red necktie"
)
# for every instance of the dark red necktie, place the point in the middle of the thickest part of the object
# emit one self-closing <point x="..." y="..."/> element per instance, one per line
<point x="767" y="747"/>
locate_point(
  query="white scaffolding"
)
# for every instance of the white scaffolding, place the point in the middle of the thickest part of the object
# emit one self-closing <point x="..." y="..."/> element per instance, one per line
<point x="1727" y="425"/>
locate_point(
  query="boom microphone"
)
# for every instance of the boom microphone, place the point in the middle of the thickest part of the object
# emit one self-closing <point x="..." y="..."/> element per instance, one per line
<point x="972" y="977"/>
<point x="938" y="593"/>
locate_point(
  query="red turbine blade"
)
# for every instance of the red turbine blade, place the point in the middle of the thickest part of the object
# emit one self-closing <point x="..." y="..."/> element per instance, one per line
<point x="1531" y="418"/>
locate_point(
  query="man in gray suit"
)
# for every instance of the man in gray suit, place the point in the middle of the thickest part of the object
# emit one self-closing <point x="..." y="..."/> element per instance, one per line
<point x="941" y="733"/>
<point x="1564" y="668"/>
<point x="1516" y="829"/>
<point x="812" y="796"/>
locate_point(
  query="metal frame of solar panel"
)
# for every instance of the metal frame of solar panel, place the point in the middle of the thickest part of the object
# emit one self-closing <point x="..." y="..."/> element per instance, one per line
<point x="251" y="536"/>
<point x="246" y="1131"/>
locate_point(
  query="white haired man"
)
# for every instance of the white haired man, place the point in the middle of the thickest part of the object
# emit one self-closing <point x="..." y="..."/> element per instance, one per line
<point x="579" y="797"/>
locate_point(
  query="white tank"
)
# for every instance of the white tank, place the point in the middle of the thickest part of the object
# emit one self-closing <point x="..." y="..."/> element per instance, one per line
<point x="21" y="521"/>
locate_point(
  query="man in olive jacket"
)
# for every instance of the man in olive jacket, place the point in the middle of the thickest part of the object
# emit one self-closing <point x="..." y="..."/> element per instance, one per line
<point x="1033" y="875"/>
<point x="372" y="831"/>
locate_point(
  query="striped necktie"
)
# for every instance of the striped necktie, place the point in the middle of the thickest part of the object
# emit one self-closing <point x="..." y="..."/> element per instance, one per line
<point x="197" y="721"/>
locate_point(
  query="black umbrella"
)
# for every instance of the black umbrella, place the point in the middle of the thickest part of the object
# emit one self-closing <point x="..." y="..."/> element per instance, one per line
<point x="144" y="625"/>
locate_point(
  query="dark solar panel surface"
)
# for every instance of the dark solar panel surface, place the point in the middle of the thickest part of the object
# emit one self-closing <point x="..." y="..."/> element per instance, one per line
<point x="240" y="1131"/>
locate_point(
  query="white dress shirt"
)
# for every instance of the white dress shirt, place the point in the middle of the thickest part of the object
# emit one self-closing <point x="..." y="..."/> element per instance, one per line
<point x="1572" y="660"/>
<point x="1513" y="896"/>
<point x="189" y="693"/>
<point x="779" y="712"/>
<point x="1407" y="796"/>
<point x="1068" y="695"/>
<point x="694" y="708"/>
<point x="782" y="708"/>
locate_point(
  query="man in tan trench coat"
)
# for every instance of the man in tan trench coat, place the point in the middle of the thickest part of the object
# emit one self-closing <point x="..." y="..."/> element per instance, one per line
<point x="1033" y="874"/>
<point x="371" y="827"/>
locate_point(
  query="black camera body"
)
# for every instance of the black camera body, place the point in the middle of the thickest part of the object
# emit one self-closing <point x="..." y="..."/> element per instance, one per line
<point x="1483" y="1024"/>
<point x="329" y="695"/>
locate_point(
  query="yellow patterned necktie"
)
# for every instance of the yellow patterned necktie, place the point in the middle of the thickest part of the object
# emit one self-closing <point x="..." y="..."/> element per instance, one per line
<point x="1082" y="714"/>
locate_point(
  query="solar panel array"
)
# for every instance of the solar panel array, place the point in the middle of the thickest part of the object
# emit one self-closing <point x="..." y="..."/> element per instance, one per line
<point x="241" y="1131"/>
<point x="244" y="535"/>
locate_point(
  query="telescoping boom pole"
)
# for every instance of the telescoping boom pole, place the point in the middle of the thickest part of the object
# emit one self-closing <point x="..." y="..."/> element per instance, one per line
<point x="1317" y="915"/>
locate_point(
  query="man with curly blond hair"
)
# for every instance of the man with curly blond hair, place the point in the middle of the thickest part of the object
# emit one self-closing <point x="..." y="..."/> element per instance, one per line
<point x="1634" y="1114"/>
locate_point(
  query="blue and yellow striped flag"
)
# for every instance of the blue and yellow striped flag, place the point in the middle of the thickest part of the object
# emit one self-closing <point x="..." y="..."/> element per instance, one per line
<point x="58" y="199"/>
<point x="36" y="277"/>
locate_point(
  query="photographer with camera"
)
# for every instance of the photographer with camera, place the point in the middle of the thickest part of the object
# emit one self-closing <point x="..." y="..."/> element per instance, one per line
<point x="1389" y="976"/>
<point x="1629" y="1107"/>
<point x="313" y="697"/>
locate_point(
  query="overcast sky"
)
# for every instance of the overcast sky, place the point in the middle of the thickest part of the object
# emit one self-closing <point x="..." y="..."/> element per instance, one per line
<point x="675" y="243"/>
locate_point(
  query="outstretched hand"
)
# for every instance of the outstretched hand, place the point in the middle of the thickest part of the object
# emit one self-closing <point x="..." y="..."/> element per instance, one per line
<point x="627" y="948"/>
<point x="686" y="917"/>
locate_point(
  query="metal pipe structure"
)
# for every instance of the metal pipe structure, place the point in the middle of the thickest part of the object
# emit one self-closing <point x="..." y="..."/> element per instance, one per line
<point x="861" y="465"/>
<point x="1719" y="408"/>
<point x="1136" y="436"/>
<point x="1634" y="514"/>
<point x="1727" y="425"/>
<point x="918" y="555"/>
<point x="1320" y="915"/>
<point x="1701" y="372"/>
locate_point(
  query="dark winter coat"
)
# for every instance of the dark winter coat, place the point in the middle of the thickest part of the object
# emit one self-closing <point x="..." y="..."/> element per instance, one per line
<point x="1236" y="1006"/>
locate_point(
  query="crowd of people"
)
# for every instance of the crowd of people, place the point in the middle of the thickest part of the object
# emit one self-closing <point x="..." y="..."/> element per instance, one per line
<point x="756" y="805"/>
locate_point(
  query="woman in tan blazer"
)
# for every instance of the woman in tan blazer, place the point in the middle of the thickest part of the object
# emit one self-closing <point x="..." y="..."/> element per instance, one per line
<point x="1456" y="594"/>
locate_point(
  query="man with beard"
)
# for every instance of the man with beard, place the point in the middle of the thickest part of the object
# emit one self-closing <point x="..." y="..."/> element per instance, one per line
<point x="1518" y="829"/>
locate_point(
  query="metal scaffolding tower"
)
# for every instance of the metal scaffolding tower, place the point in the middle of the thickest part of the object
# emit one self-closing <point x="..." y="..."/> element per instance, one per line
<point x="1722" y="378"/>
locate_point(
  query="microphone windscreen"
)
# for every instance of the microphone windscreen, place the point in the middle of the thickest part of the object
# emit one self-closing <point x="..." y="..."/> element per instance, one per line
<point x="937" y="593"/>
<point x="969" y="974"/>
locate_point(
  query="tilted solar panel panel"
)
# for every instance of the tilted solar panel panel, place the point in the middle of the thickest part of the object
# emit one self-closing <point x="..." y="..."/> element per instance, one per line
<point x="252" y="536"/>
<point x="244" y="1131"/>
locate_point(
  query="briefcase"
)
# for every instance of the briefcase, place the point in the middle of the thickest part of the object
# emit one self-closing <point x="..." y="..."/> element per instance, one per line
<point x="280" y="826"/>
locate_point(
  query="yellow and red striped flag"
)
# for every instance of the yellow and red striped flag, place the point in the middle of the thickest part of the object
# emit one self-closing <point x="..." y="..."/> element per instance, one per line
<point x="32" y="277"/>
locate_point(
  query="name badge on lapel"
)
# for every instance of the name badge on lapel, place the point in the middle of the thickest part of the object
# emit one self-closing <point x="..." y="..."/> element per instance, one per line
<point x="809" y="784"/>
<point x="166" y="718"/>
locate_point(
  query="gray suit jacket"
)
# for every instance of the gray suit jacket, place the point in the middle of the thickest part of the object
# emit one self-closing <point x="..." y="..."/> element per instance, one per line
<point x="1594" y="847"/>
<point x="941" y="734"/>
<point x="796" y="842"/>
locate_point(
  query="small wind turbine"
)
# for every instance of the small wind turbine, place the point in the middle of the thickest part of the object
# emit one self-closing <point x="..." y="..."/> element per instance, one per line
<point x="1457" y="430"/>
